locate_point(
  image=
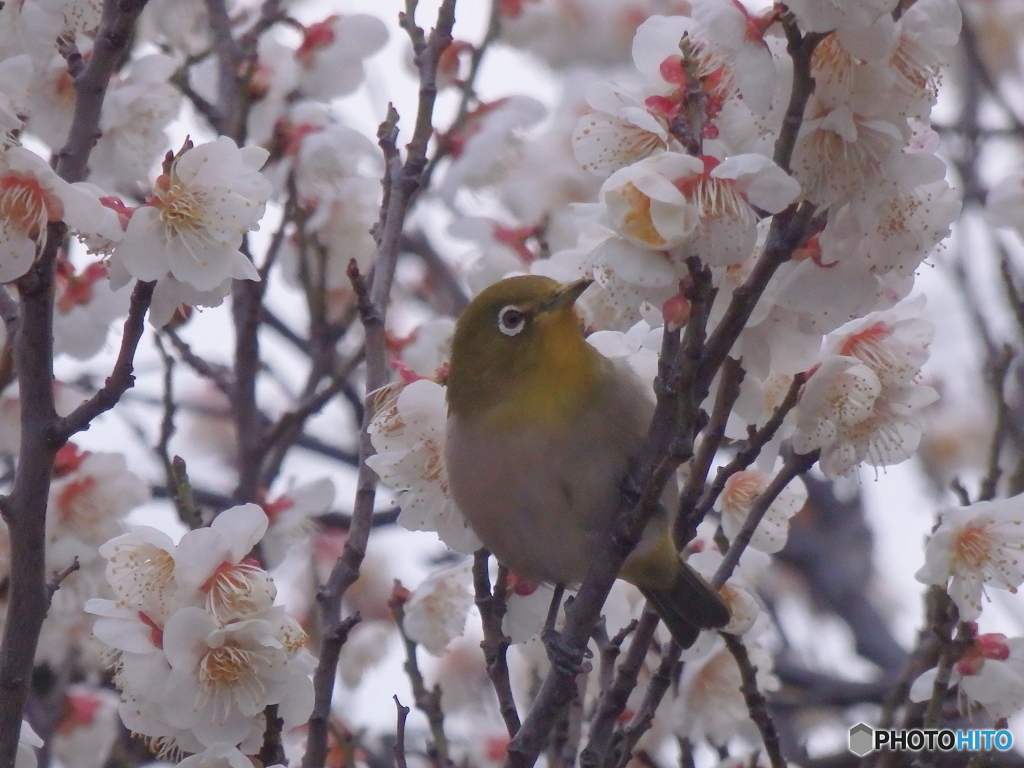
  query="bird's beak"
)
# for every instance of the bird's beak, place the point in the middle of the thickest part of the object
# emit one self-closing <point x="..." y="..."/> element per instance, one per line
<point x="567" y="294"/>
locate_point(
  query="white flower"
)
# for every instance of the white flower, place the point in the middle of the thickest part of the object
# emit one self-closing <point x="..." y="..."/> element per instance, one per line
<point x="618" y="131"/>
<point x="366" y="646"/>
<point x="213" y="562"/>
<point x="218" y="756"/>
<point x="840" y="154"/>
<point x="137" y="108"/>
<point x="826" y="15"/>
<point x="291" y="517"/>
<point x="409" y="436"/>
<point x="974" y="547"/>
<point x="488" y="142"/>
<point x="333" y="50"/>
<point x="990" y="673"/>
<point x="436" y="612"/>
<point x="31" y="197"/>
<point x="222" y="678"/>
<point x="88" y="728"/>
<point x="893" y="343"/>
<point x="739" y="493"/>
<point x="845" y="411"/>
<point x="140" y="570"/>
<point x="194" y="222"/>
<point x="704" y="205"/>
<point x="91" y="493"/>
<point x="84" y="307"/>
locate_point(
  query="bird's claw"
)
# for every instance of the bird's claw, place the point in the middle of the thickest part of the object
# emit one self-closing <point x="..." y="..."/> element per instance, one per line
<point x="565" y="658"/>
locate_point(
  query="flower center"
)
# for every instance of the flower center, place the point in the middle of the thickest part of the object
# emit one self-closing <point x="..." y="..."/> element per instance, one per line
<point x="26" y="205"/>
<point x="971" y="547"/>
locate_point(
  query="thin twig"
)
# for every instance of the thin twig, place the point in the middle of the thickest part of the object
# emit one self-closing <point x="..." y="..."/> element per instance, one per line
<point x="121" y="377"/>
<point x="757" y="705"/>
<point x="495" y="643"/>
<point x="613" y="700"/>
<point x="399" y="750"/>
<point x="794" y="466"/>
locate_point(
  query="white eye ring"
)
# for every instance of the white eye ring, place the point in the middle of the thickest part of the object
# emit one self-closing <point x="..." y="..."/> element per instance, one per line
<point x="511" y="320"/>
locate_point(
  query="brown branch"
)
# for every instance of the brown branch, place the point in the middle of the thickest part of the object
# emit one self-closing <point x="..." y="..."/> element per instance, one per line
<point x="748" y="454"/>
<point x="41" y="431"/>
<point x="427" y="701"/>
<point x="757" y="705"/>
<point x="216" y="374"/>
<point x="668" y="670"/>
<point x="728" y="393"/>
<point x="333" y="637"/>
<point x="229" y="81"/>
<point x="117" y="25"/>
<point x="495" y="644"/>
<point x="614" y="699"/>
<point x="401" y="183"/>
<point x="121" y="377"/>
<point x="399" y="750"/>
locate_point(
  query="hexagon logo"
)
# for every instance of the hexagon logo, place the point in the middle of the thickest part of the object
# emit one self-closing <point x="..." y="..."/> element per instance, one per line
<point x="862" y="739"/>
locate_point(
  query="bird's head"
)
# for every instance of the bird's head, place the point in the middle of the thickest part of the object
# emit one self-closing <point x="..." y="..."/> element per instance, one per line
<point x="519" y="348"/>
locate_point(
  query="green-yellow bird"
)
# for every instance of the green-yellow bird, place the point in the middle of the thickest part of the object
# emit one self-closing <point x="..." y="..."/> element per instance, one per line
<point x="541" y="430"/>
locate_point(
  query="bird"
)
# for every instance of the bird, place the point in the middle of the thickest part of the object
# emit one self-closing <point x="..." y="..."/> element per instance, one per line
<point x="541" y="432"/>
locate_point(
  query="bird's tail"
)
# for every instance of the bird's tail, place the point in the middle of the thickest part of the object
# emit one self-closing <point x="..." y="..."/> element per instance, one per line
<point x="689" y="605"/>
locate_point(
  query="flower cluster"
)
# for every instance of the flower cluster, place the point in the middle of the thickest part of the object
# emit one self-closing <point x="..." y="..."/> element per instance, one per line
<point x="198" y="647"/>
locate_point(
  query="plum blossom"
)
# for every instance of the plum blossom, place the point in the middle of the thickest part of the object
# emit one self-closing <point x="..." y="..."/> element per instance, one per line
<point x="222" y="677"/>
<point x="292" y="517"/>
<point x="826" y="15"/>
<point x="989" y="673"/>
<point x="739" y="493"/>
<point x="91" y="493"/>
<point x="138" y="107"/>
<point x="409" y="433"/>
<point x="88" y="729"/>
<point x="15" y="78"/>
<point x="197" y="648"/>
<point x="84" y="308"/>
<point x="862" y="402"/>
<point x="618" y="130"/>
<point x="218" y="756"/>
<point x="488" y="143"/>
<point x="213" y="562"/>
<point x="692" y="205"/>
<point x="435" y="613"/>
<point x="332" y="52"/>
<point x="975" y="547"/>
<point x="33" y="196"/>
<point x="192" y="225"/>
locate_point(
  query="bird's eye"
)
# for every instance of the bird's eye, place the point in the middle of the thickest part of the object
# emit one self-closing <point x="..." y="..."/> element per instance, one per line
<point x="511" y="320"/>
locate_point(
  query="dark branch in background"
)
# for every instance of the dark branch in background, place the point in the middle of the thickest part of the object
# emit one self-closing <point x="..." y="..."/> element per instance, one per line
<point x="402" y="182"/>
<point x="42" y="433"/>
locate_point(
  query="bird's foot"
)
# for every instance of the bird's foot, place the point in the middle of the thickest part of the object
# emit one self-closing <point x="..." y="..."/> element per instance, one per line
<point x="565" y="658"/>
